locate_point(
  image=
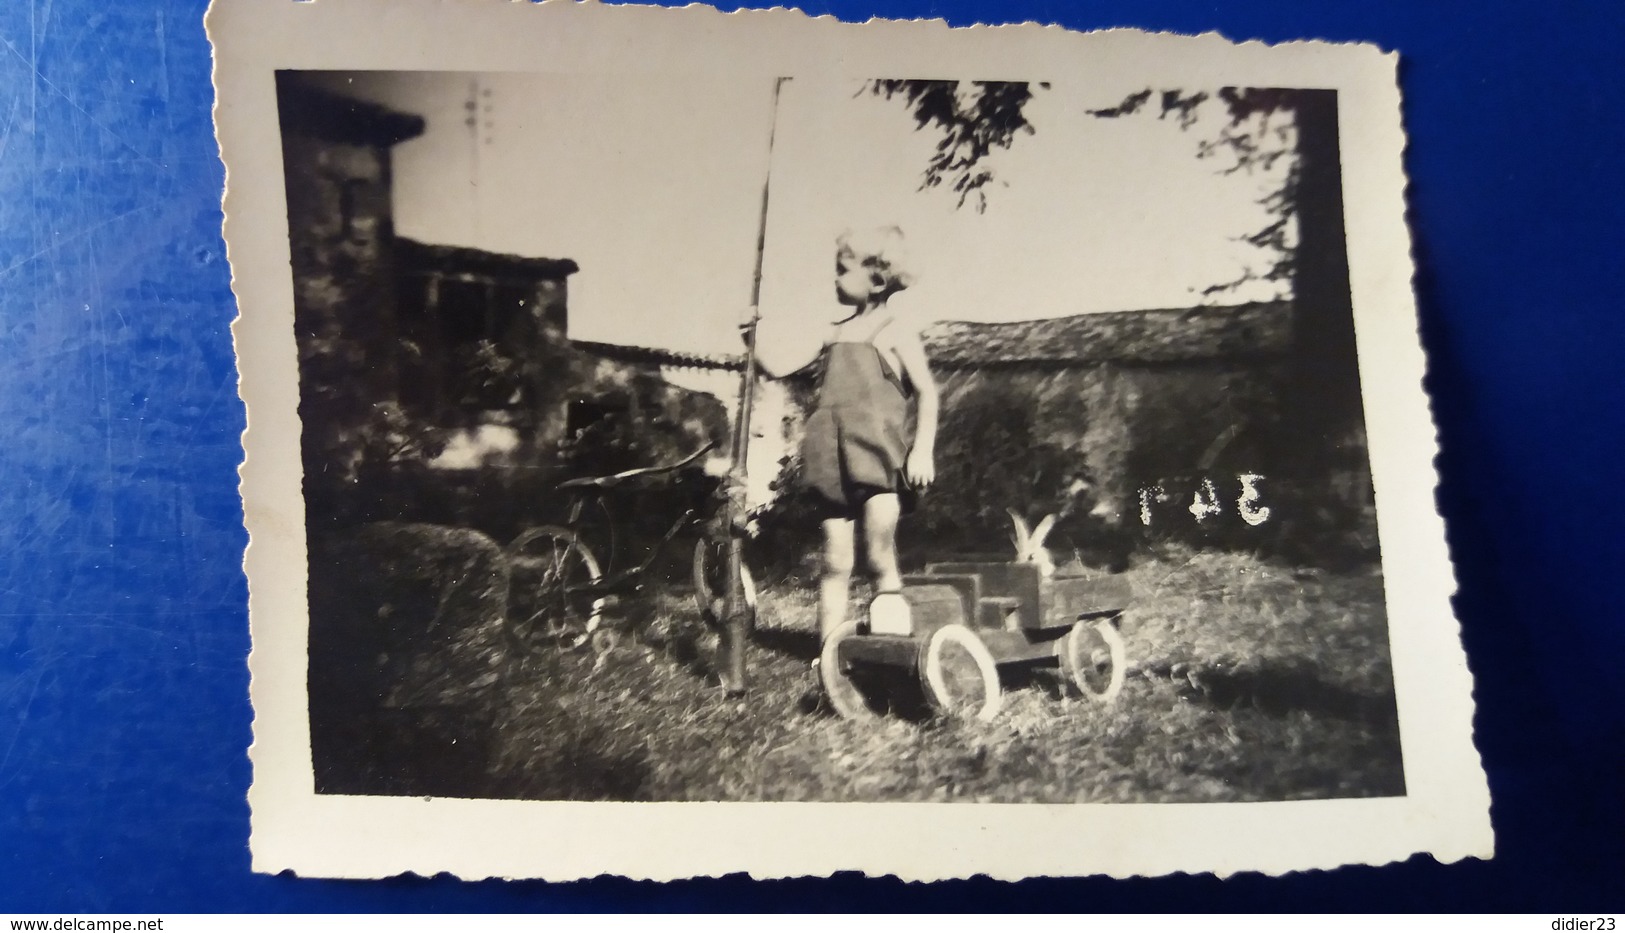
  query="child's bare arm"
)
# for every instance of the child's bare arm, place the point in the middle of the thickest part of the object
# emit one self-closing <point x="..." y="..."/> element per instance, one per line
<point x="921" y="466"/>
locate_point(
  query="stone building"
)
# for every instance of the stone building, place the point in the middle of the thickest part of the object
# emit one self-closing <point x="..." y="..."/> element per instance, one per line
<point x="486" y="357"/>
<point x="1092" y="416"/>
<point x="336" y="162"/>
<point x="439" y="383"/>
<point x="442" y="382"/>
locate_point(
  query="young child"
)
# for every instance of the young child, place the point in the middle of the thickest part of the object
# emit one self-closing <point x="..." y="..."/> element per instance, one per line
<point x="858" y="460"/>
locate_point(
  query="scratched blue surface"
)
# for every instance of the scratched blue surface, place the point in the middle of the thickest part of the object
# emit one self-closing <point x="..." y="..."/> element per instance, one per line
<point x="123" y="631"/>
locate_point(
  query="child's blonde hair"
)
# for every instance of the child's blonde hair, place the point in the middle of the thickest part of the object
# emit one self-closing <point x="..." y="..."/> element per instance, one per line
<point x="881" y="250"/>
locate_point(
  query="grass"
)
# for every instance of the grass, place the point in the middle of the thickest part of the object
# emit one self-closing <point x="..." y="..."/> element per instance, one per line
<point x="1247" y="681"/>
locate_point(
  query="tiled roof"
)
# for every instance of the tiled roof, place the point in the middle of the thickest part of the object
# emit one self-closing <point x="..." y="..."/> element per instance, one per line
<point x="1250" y="330"/>
<point x="457" y="260"/>
<point x="631" y="354"/>
<point x="1170" y="336"/>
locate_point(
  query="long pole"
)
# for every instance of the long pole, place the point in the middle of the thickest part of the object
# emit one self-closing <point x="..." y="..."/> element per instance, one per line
<point x="737" y="612"/>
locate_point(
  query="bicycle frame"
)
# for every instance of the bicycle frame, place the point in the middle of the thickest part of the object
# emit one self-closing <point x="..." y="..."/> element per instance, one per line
<point x="629" y="579"/>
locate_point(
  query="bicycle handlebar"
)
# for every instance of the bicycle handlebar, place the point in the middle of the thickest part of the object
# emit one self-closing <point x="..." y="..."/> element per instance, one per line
<point x="615" y="479"/>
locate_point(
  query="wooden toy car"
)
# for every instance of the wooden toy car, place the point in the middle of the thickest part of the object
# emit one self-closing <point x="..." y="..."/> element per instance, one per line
<point x="969" y="619"/>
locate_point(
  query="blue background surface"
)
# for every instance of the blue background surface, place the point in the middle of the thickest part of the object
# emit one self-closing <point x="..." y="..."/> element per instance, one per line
<point x="123" y="625"/>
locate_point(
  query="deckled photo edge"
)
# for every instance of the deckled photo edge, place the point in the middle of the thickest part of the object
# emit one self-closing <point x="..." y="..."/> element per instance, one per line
<point x="255" y="252"/>
<point x="1446" y="763"/>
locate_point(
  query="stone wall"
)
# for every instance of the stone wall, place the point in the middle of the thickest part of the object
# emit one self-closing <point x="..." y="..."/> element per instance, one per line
<point x="336" y="159"/>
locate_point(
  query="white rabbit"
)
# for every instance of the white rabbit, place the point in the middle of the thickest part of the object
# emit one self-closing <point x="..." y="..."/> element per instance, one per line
<point x="1029" y="542"/>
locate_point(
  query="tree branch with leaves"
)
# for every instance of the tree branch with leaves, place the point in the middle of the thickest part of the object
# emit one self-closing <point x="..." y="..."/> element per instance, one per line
<point x="1260" y="131"/>
<point x="974" y="119"/>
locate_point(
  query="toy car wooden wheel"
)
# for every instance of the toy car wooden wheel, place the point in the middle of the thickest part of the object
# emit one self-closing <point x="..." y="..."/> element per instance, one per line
<point x="845" y="694"/>
<point x="1093" y="659"/>
<point x="959" y="674"/>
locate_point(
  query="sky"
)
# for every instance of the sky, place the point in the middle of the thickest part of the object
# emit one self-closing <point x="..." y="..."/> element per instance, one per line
<point x="654" y="187"/>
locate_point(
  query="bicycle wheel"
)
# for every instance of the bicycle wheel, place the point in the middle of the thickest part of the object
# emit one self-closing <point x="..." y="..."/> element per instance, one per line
<point x="546" y="563"/>
<point x="710" y="569"/>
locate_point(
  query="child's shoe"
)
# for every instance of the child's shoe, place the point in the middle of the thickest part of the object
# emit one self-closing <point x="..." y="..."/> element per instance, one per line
<point x="889" y="615"/>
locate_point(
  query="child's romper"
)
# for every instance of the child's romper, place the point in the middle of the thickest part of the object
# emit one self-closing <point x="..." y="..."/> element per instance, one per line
<point x="856" y="442"/>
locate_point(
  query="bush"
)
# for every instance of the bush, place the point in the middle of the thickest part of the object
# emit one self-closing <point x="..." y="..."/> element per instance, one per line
<point x="405" y="641"/>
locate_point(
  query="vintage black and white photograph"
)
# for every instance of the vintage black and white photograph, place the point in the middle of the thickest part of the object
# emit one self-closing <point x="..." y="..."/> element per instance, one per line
<point x="1055" y="487"/>
<point x="740" y="436"/>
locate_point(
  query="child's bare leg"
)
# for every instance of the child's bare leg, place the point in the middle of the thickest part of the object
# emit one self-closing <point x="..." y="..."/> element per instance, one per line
<point x="836" y="581"/>
<point x="880" y="538"/>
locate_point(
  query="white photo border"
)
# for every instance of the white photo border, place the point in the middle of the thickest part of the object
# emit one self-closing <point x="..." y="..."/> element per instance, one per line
<point x="1445" y="811"/>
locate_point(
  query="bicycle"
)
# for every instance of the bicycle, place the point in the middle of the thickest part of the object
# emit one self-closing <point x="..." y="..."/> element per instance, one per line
<point x="560" y="590"/>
